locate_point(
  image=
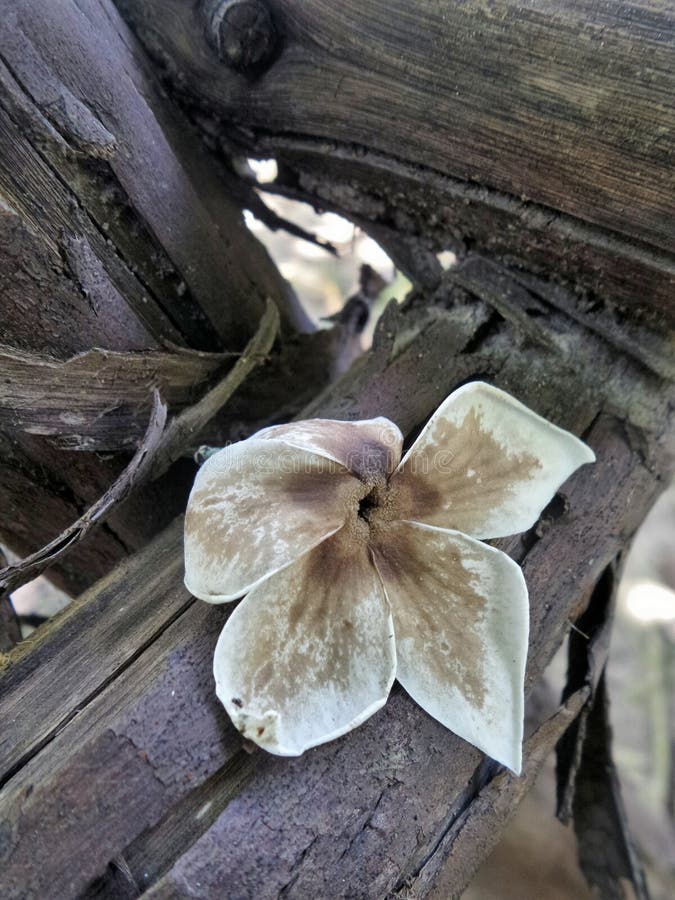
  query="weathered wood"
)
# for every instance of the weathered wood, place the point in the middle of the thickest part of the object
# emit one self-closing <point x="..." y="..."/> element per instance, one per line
<point x="85" y="647"/>
<point x="367" y="812"/>
<point x="116" y="233"/>
<point x="608" y="271"/>
<point x="599" y="810"/>
<point x="476" y="832"/>
<point x="20" y="573"/>
<point x="537" y="133"/>
<point x="161" y="446"/>
<point x="44" y="308"/>
<point x="42" y="497"/>
<point x="135" y="749"/>
<point x="545" y="127"/>
<point x="97" y="400"/>
<point x="184" y="429"/>
<point x="107" y="108"/>
<point x="101" y="399"/>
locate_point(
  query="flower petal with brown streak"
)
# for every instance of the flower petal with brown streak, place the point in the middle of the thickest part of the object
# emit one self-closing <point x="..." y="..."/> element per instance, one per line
<point x="485" y="465"/>
<point x="254" y="508"/>
<point x="461" y="620"/>
<point x="309" y="654"/>
<point x="368" y="448"/>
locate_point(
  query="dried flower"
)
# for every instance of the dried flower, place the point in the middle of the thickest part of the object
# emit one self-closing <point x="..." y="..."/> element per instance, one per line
<point x="359" y="568"/>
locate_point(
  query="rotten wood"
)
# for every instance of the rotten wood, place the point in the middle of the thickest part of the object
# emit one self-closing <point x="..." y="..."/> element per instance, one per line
<point x="373" y="811"/>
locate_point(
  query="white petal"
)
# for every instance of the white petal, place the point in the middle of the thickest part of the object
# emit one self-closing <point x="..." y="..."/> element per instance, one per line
<point x="255" y="507"/>
<point x="485" y="464"/>
<point x="309" y="654"/>
<point x="461" y="618"/>
<point x="368" y="447"/>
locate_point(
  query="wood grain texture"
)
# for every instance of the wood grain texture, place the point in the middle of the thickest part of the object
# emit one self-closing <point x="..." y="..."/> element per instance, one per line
<point x="135" y="750"/>
<point x="101" y="651"/>
<point x="98" y="400"/>
<point x="476" y="832"/>
<point x="369" y="811"/>
<point x="103" y="127"/>
<point x="561" y="112"/>
<point x="394" y="200"/>
<point x="117" y="233"/>
<point x="549" y="118"/>
<point x="46" y="310"/>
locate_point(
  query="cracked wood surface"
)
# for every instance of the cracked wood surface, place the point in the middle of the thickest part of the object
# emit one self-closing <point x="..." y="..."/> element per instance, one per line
<point x="149" y="778"/>
<point x="91" y="127"/>
<point x="537" y="131"/>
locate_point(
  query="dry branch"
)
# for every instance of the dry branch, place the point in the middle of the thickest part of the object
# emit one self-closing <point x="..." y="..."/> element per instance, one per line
<point x="537" y="132"/>
<point x="116" y="233"/>
<point x="184" y="429"/>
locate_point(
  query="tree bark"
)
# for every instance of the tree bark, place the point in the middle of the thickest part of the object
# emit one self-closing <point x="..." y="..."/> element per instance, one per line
<point x="117" y="233"/>
<point x="531" y="140"/>
<point x="539" y="132"/>
<point x="379" y="811"/>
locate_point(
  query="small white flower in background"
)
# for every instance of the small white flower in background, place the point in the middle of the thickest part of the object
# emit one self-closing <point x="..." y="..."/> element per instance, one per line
<point x="360" y="567"/>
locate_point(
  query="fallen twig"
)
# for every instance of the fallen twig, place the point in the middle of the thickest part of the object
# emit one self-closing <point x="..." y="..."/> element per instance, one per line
<point x="184" y="427"/>
<point x="12" y="577"/>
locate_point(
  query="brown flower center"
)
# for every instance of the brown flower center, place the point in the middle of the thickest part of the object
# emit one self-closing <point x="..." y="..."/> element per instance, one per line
<point x="377" y="505"/>
<point x="368" y="505"/>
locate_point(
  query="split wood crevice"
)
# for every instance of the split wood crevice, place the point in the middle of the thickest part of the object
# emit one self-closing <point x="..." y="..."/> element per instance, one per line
<point x="434" y="127"/>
